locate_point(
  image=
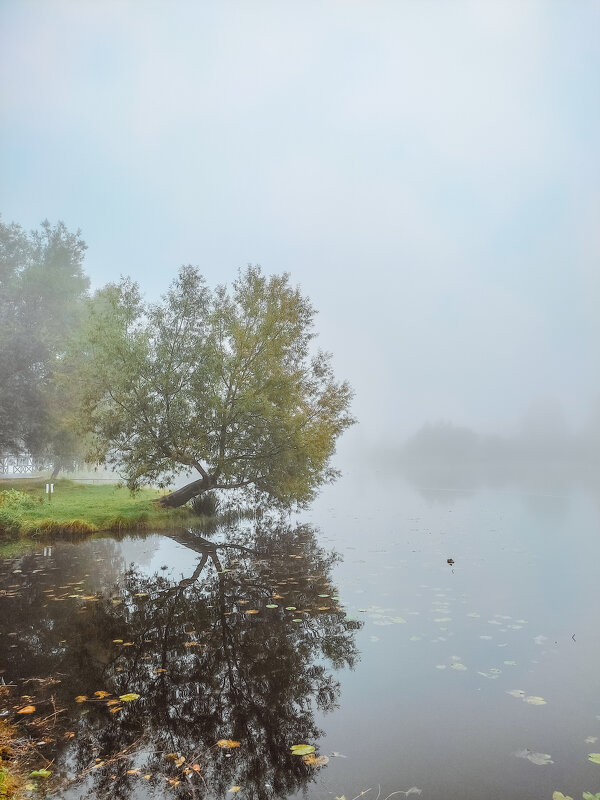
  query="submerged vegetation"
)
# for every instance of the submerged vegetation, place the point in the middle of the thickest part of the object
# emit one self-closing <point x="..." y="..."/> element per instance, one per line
<point x="78" y="508"/>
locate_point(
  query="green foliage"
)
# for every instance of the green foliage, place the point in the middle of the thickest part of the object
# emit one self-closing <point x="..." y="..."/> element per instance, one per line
<point x="223" y="382"/>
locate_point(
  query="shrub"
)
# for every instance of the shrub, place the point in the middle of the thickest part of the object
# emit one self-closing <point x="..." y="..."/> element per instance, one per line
<point x="12" y="498"/>
<point x="205" y="505"/>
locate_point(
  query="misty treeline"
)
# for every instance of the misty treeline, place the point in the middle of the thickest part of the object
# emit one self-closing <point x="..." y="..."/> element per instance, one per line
<point x="222" y="384"/>
<point x="540" y="436"/>
<point x="42" y="293"/>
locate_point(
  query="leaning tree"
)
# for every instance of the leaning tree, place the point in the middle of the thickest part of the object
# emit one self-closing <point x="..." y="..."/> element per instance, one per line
<point x="222" y="383"/>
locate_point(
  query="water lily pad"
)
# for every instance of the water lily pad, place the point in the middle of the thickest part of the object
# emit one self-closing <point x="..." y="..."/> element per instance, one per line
<point x="594" y="758"/>
<point x="536" y="758"/>
<point x="302" y="749"/>
<point x="40" y="773"/>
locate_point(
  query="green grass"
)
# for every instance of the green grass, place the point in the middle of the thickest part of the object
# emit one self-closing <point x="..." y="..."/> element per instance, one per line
<point x="81" y="508"/>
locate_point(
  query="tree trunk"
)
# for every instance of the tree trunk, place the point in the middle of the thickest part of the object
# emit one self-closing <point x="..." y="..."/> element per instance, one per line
<point x="55" y="471"/>
<point x="181" y="496"/>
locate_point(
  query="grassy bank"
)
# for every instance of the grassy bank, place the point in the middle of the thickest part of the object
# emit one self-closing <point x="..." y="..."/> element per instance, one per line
<point x="11" y="782"/>
<point x="75" y="507"/>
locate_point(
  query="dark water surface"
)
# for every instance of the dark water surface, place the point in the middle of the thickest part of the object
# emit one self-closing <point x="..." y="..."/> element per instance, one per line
<point x="473" y="679"/>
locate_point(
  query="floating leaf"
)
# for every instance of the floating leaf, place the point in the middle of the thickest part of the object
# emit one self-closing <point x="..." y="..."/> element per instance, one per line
<point x="114" y="709"/>
<point x="81" y="698"/>
<point x="315" y="761"/>
<point x="118" y="641"/>
<point x="101" y="694"/>
<point x="179" y="761"/>
<point x="591" y="740"/>
<point x="590" y="796"/>
<point x="302" y="749"/>
<point x="99" y="764"/>
<point x="594" y="758"/>
<point x="127" y="697"/>
<point x="40" y="773"/>
<point x="196" y="767"/>
<point x="272" y="605"/>
<point x="458" y="666"/>
<point x="534" y="701"/>
<point x="235" y="789"/>
<point x="26" y="710"/>
<point x="227" y="744"/>
<point x="516" y="693"/>
<point x="560" y="796"/>
<point x="251" y="611"/>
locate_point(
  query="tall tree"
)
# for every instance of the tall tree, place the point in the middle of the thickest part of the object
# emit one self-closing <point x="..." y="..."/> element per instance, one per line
<point x="42" y="285"/>
<point x="218" y="382"/>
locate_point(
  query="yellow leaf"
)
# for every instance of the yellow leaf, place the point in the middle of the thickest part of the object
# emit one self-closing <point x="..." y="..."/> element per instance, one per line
<point x="133" y="772"/>
<point x="227" y="744"/>
<point x="251" y="611"/>
<point x="102" y="694"/>
<point x="148" y="776"/>
<point x="160" y="669"/>
<point x="315" y="761"/>
<point x="118" y="641"/>
<point x="112" y="702"/>
<point x="235" y="788"/>
<point x="196" y="767"/>
<point x="180" y="761"/>
<point x="114" y="709"/>
<point x="99" y="764"/>
<point x="127" y="697"/>
<point x="81" y="698"/>
<point x="26" y="710"/>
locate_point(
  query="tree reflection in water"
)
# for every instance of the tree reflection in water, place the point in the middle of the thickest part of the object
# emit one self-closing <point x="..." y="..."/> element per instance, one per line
<point x="206" y="668"/>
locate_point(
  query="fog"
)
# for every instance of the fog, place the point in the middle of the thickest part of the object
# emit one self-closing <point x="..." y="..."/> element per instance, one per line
<point x="427" y="172"/>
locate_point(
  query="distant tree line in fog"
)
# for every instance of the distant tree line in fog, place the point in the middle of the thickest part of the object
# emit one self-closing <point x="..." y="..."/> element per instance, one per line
<point x="541" y="436"/>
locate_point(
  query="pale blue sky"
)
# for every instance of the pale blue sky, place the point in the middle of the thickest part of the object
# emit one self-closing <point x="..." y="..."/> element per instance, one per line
<point x="427" y="171"/>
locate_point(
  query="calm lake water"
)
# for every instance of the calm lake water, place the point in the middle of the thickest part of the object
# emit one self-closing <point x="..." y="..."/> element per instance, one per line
<point x="473" y="679"/>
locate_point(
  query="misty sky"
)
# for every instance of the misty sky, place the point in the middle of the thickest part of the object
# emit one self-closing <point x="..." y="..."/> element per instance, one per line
<point x="427" y="171"/>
